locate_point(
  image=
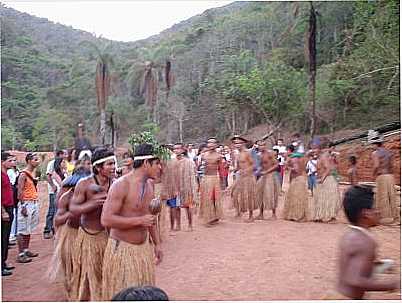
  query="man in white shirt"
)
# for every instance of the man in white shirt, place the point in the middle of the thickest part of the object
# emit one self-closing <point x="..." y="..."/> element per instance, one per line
<point x="281" y="148"/>
<point x="311" y="168"/>
<point x="48" y="232"/>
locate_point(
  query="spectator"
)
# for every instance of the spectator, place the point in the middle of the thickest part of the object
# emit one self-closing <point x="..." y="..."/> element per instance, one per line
<point x="311" y="168"/>
<point x="13" y="173"/>
<point x="7" y="207"/>
<point x="52" y="187"/>
<point x="28" y="208"/>
<point x="145" y="293"/>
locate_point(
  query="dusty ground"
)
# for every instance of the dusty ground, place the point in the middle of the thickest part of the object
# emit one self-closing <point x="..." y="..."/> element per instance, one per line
<point x="266" y="260"/>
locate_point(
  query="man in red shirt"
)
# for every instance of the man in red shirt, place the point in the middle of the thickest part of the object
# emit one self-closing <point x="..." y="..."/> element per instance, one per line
<point x="7" y="203"/>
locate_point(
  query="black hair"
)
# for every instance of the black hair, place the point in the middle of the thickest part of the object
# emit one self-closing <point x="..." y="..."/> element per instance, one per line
<point x="355" y="200"/>
<point x="70" y="154"/>
<point x="128" y="154"/>
<point x="201" y="147"/>
<point x="145" y="293"/>
<point x="379" y="144"/>
<point x="100" y="153"/>
<point x="78" y="174"/>
<point x="296" y="135"/>
<point x="178" y="143"/>
<point x="57" y="167"/>
<point x="5" y="156"/>
<point x="143" y="150"/>
<point x="353" y="160"/>
<point x="59" y="153"/>
<point x="29" y="156"/>
<point x="291" y="148"/>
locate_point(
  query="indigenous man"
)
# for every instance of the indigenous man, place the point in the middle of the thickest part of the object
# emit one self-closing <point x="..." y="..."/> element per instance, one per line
<point x="170" y="189"/>
<point x="327" y="201"/>
<point x="385" y="200"/>
<point x="187" y="183"/>
<point x="239" y="145"/>
<point x="65" y="256"/>
<point x="129" y="257"/>
<point x="296" y="201"/>
<point x="268" y="185"/>
<point x="127" y="163"/>
<point x="358" y="249"/>
<point x="210" y="193"/>
<point x="28" y="208"/>
<point x="87" y="202"/>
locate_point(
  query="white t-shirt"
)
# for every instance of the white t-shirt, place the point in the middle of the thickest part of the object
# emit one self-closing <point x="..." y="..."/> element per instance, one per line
<point x="50" y="170"/>
<point x="12" y="175"/>
<point x="311" y="167"/>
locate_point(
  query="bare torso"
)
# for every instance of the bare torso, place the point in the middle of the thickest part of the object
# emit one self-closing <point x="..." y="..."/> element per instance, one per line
<point x="133" y="205"/>
<point x="212" y="160"/>
<point x="358" y="252"/>
<point x="383" y="158"/>
<point x="295" y="168"/>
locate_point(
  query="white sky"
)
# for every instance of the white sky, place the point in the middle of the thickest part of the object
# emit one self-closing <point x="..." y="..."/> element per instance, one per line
<point x="116" y="20"/>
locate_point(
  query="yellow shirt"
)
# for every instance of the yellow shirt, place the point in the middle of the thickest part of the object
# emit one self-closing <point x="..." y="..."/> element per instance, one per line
<point x="70" y="168"/>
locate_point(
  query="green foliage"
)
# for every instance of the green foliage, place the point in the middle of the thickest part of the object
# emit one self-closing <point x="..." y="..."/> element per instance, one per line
<point x="149" y="138"/>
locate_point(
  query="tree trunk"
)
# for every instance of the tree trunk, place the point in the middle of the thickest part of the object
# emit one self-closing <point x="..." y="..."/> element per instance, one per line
<point x="181" y="129"/>
<point x="112" y="129"/>
<point x="233" y="123"/>
<point x="311" y="58"/>
<point x="103" y="126"/>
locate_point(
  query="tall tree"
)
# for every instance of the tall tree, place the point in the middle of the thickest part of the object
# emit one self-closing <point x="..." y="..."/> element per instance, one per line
<point x="102" y="82"/>
<point x="311" y="55"/>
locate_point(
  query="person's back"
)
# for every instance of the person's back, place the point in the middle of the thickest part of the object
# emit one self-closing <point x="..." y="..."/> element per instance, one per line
<point x="145" y="293"/>
<point x="385" y="161"/>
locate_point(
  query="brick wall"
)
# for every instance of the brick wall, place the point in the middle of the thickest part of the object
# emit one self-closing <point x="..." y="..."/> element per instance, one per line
<point x="363" y="154"/>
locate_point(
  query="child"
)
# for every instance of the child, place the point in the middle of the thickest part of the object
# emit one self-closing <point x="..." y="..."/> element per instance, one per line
<point x="268" y="186"/>
<point x="352" y="171"/>
<point x="243" y="191"/>
<point x="358" y="248"/>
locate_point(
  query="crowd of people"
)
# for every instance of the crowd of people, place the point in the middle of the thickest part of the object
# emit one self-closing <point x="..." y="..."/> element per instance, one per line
<point x="108" y="223"/>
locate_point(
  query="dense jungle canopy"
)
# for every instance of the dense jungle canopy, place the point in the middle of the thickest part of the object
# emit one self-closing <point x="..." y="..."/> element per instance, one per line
<point x="217" y="73"/>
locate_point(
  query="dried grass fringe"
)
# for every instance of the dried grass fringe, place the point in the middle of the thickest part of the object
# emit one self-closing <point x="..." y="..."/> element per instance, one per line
<point x="296" y="200"/>
<point x="90" y="258"/>
<point x="268" y="189"/>
<point x="327" y="200"/>
<point x="170" y="177"/>
<point x="210" y="189"/>
<point x="187" y="182"/>
<point x="385" y="200"/>
<point x="244" y="193"/>
<point x="127" y="265"/>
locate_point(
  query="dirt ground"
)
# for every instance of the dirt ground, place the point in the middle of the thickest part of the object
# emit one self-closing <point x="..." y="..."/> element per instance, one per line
<point x="265" y="260"/>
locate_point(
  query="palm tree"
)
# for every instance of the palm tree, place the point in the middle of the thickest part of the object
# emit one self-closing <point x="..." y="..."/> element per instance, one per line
<point x="102" y="81"/>
<point x="147" y="75"/>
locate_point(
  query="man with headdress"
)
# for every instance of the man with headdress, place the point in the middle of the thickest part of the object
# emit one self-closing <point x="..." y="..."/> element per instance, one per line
<point x="210" y="191"/>
<point x="87" y="202"/>
<point x="327" y="200"/>
<point x="65" y="255"/>
<point x="296" y="200"/>
<point x="385" y="200"/>
<point x="130" y="214"/>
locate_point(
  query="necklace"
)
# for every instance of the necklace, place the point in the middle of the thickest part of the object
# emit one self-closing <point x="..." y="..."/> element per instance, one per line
<point x="363" y="230"/>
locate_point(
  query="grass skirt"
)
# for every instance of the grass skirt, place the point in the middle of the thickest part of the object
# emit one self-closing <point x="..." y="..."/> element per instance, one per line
<point x="127" y="265"/>
<point x="64" y="263"/>
<point x="211" y="199"/>
<point x="188" y="182"/>
<point x="90" y="259"/>
<point x="268" y="189"/>
<point x="296" y="201"/>
<point x="244" y="193"/>
<point x="170" y="180"/>
<point x="327" y="200"/>
<point x="385" y="200"/>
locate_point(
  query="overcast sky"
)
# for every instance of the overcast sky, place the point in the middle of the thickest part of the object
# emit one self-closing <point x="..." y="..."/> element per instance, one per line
<point x="116" y="20"/>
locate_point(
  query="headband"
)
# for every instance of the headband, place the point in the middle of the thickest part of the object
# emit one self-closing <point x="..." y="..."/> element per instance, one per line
<point x="104" y="160"/>
<point x="144" y="157"/>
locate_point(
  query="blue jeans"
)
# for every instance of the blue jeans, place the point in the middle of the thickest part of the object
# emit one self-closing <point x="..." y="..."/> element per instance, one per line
<point x="50" y="214"/>
<point x="312" y="181"/>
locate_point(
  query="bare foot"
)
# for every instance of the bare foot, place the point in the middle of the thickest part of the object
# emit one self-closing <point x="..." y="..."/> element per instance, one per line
<point x="274" y="217"/>
<point x="249" y="220"/>
<point x="259" y="217"/>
